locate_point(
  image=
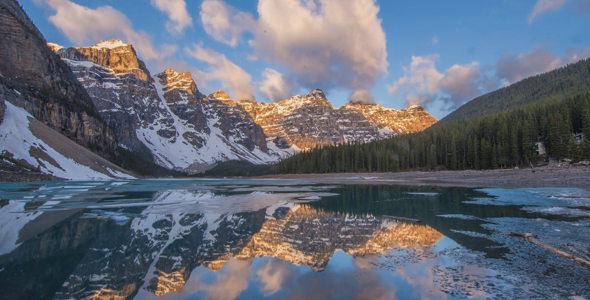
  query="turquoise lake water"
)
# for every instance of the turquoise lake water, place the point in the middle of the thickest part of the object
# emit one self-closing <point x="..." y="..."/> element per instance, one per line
<point x="277" y="239"/>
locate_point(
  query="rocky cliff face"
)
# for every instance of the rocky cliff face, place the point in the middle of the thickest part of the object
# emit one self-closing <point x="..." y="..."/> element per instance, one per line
<point x="170" y="120"/>
<point x="48" y="87"/>
<point x="237" y="122"/>
<point x="2" y="104"/>
<point x="122" y="89"/>
<point x="165" y="116"/>
<point x="390" y="121"/>
<point x="306" y="121"/>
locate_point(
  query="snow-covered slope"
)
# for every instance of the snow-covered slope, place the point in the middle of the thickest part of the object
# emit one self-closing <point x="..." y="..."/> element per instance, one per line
<point x="208" y="129"/>
<point x="32" y="143"/>
<point x="165" y="116"/>
<point x="168" y="119"/>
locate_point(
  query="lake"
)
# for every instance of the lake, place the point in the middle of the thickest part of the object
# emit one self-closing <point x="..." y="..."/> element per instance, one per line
<point x="278" y="239"/>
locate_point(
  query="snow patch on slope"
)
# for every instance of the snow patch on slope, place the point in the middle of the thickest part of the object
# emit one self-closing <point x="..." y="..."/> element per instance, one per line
<point x="110" y="44"/>
<point x="13" y="220"/>
<point x="177" y="152"/>
<point x="17" y="139"/>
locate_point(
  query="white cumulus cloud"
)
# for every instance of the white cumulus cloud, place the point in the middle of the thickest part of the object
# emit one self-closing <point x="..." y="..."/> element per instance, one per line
<point x="85" y="26"/>
<point x="177" y="13"/>
<point x="422" y="82"/>
<point x="322" y="43"/>
<point x="225" y="23"/>
<point x="274" y="86"/>
<point x="233" y="78"/>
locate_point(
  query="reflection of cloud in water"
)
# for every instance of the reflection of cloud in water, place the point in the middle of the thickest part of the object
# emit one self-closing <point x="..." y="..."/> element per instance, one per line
<point x="422" y="281"/>
<point x="229" y="284"/>
<point x="350" y="283"/>
<point x="366" y="262"/>
<point x="272" y="275"/>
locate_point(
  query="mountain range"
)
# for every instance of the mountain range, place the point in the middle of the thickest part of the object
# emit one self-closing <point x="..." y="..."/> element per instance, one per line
<point x="105" y="99"/>
<point x="183" y="129"/>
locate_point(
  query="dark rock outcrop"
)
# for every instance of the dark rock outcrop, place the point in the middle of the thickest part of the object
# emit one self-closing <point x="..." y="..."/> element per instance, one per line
<point x="2" y="104"/>
<point x="236" y="122"/>
<point x="122" y="89"/>
<point x="49" y="89"/>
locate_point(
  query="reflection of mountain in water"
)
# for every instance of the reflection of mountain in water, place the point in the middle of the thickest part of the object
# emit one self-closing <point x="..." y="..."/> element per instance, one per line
<point x="305" y="236"/>
<point x="159" y="252"/>
<point x="156" y="250"/>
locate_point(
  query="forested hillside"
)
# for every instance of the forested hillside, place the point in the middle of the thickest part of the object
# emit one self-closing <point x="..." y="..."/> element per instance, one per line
<point x="567" y="81"/>
<point x="505" y="139"/>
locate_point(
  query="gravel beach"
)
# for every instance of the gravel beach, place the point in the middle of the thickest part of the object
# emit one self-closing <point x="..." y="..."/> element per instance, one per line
<point x="560" y="175"/>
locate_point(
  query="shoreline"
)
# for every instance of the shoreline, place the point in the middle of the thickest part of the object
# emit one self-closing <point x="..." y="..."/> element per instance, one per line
<point x="549" y="176"/>
<point x="566" y="176"/>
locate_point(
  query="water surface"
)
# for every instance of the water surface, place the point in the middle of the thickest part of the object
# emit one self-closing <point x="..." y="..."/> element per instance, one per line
<point x="244" y="239"/>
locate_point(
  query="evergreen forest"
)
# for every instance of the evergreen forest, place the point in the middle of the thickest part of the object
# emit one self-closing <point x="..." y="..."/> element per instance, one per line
<point x="501" y="140"/>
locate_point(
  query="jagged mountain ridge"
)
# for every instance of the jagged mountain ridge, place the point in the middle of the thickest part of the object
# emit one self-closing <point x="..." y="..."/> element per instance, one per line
<point x="164" y="116"/>
<point x="115" y="102"/>
<point x="167" y="117"/>
<point x="310" y="120"/>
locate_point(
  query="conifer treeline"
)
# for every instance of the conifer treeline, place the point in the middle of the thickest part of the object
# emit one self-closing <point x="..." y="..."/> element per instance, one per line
<point x="498" y="141"/>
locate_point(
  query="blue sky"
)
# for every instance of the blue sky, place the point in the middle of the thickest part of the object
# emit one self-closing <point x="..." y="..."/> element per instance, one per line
<point x="438" y="54"/>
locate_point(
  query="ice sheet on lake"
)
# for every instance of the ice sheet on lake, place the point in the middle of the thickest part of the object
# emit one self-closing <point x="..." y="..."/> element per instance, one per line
<point x="459" y="216"/>
<point x="422" y="194"/>
<point x="549" y="197"/>
<point x="206" y="201"/>
<point x="560" y="211"/>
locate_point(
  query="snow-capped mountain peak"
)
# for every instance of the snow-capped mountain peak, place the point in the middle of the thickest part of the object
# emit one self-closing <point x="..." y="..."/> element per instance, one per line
<point x="219" y="95"/>
<point x="110" y="44"/>
<point x="177" y="80"/>
<point x="55" y="47"/>
<point x="167" y="118"/>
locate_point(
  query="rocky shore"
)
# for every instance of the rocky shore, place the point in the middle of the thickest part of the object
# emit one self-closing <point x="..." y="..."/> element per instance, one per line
<point x="561" y="175"/>
<point x="10" y="172"/>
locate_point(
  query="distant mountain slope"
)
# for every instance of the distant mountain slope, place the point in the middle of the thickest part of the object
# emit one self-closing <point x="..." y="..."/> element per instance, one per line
<point x="168" y="117"/>
<point x="307" y="121"/>
<point x="557" y="84"/>
<point x="164" y="117"/>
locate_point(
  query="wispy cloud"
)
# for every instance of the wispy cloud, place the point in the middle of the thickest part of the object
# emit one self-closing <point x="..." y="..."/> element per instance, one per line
<point x="178" y="16"/>
<point x="225" y="23"/>
<point x="274" y="86"/>
<point x="544" y="6"/>
<point x="422" y="81"/>
<point x="233" y="78"/>
<point x="511" y="68"/>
